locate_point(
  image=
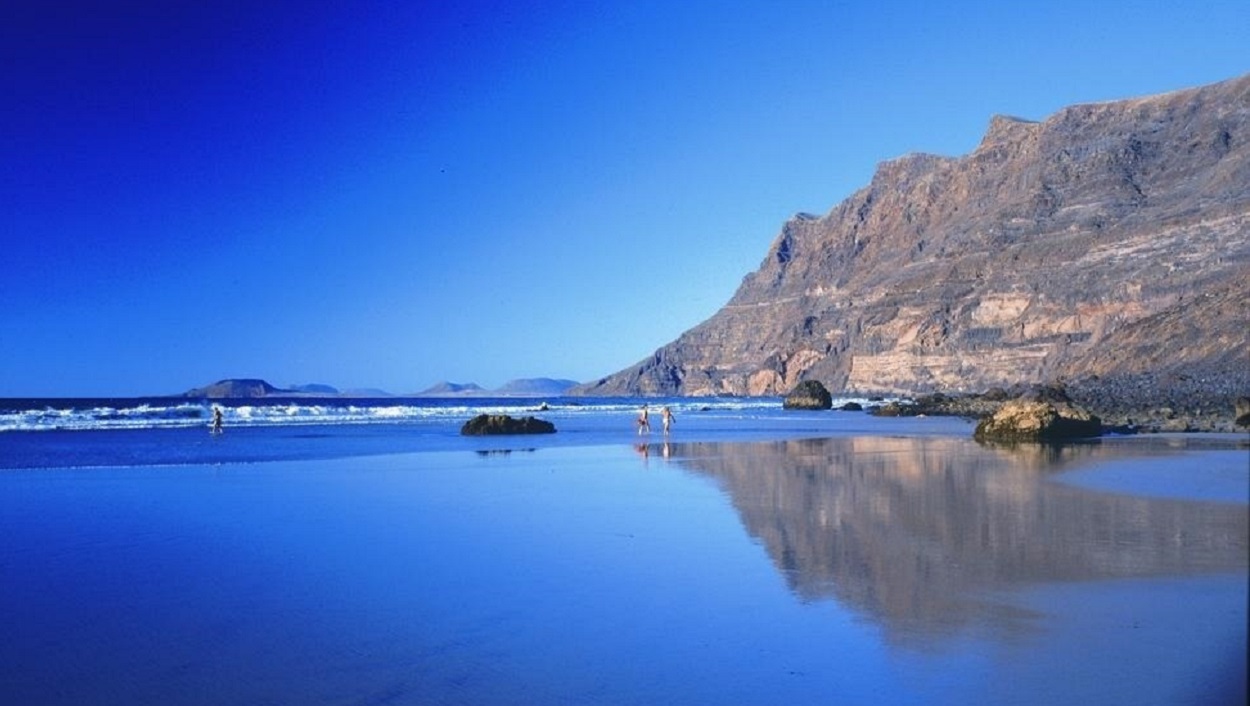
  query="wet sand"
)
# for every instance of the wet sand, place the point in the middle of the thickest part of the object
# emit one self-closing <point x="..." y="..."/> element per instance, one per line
<point x="908" y="570"/>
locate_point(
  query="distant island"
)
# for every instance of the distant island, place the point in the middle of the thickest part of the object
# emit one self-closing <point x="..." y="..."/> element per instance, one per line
<point x="525" y="387"/>
<point x="253" y="388"/>
<point x="238" y="388"/>
<point x="452" y="389"/>
<point x="534" y="387"/>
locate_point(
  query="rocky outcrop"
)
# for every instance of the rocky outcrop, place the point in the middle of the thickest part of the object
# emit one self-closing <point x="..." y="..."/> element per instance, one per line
<point x="1125" y="405"/>
<point x="809" y="394"/>
<point x="1109" y="242"/>
<point x="1038" y="420"/>
<point x="1241" y="408"/>
<point x="493" y="424"/>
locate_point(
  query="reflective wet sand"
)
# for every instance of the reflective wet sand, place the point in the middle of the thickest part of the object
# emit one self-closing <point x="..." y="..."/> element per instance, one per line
<point x="922" y="535"/>
<point x="862" y="569"/>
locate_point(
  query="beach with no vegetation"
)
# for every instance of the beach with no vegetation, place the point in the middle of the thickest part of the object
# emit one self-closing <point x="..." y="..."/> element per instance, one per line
<point x="751" y="556"/>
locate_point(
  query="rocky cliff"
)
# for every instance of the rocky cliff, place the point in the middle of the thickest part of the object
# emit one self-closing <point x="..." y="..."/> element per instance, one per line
<point x="1110" y="239"/>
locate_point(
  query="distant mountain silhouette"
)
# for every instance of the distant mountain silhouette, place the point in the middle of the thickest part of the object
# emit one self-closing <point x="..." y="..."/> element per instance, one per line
<point x="535" y="387"/>
<point x="234" y="388"/>
<point x="524" y="387"/>
<point x="249" y="388"/>
<point x="365" y="392"/>
<point x="452" y="389"/>
<point x="315" y="389"/>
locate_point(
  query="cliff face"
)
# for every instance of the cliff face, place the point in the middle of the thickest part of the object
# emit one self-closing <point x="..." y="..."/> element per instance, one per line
<point x="1111" y="238"/>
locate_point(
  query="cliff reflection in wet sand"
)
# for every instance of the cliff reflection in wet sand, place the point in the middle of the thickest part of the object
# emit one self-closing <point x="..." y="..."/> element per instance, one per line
<point x="920" y="533"/>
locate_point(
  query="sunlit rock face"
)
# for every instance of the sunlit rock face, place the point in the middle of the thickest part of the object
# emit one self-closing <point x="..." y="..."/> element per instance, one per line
<point x="1108" y="239"/>
<point x="1029" y="420"/>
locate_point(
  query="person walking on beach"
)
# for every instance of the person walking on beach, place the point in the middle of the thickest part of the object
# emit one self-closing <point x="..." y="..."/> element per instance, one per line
<point x="216" y="420"/>
<point x="644" y="424"/>
<point x="667" y="416"/>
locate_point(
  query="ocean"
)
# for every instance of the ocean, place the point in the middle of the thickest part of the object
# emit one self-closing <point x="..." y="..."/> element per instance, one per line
<point x="39" y="433"/>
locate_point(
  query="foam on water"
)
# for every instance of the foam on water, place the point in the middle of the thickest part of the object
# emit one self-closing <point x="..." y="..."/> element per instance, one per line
<point x="154" y="431"/>
<point x="156" y="413"/>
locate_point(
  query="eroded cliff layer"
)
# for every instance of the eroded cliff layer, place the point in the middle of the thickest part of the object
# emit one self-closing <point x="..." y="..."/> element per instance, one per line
<point x="1108" y="239"/>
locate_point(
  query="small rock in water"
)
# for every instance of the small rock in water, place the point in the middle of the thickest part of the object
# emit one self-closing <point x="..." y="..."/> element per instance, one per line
<point x="485" y="424"/>
<point x="1038" y="420"/>
<point x="809" y="394"/>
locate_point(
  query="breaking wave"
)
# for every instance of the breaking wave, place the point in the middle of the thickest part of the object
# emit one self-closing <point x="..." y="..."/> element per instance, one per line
<point x="154" y="413"/>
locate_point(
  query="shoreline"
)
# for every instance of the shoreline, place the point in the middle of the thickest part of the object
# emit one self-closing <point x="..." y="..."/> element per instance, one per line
<point x="1136" y="404"/>
<point x="1125" y="404"/>
<point x="948" y="572"/>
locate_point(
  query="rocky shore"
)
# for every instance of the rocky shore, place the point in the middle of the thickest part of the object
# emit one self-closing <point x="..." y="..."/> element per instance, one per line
<point x="1141" y="403"/>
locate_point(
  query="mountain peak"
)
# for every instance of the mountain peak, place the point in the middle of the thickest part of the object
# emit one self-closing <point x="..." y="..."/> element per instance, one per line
<point x="446" y="389"/>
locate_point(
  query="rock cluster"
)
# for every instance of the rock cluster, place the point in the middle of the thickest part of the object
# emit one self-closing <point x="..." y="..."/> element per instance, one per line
<point x="809" y="394"/>
<point x="1196" y="400"/>
<point x="490" y="424"/>
<point x="1127" y="405"/>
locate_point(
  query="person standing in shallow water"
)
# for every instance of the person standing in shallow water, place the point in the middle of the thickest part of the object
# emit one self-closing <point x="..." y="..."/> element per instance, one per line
<point x="644" y="424"/>
<point x="216" y="420"/>
<point x="666" y="415"/>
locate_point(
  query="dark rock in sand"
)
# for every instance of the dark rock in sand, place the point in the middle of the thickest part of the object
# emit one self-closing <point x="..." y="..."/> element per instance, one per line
<point x="1241" y="412"/>
<point x="809" y="394"/>
<point x="490" y="424"/>
<point x="1197" y="399"/>
<point x="1126" y="404"/>
<point x="1038" y="420"/>
<point x="996" y="394"/>
<point x="968" y="406"/>
<point x="894" y="409"/>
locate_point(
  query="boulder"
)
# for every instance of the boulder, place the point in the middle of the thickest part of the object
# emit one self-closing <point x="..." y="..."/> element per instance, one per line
<point x="490" y="424"/>
<point x="1038" y="420"/>
<point x="1241" y="411"/>
<point x="809" y="394"/>
<point x="852" y="407"/>
<point x="894" y="409"/>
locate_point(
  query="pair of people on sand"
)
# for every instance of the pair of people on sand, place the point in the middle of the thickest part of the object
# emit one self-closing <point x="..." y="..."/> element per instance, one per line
<point x="644" y="420"/>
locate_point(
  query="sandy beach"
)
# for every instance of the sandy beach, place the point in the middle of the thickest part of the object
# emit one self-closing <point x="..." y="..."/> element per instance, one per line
<point x="859" y="567"/>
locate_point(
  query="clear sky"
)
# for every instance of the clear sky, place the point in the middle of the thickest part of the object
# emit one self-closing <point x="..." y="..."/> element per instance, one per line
<point x="390" y="194"/>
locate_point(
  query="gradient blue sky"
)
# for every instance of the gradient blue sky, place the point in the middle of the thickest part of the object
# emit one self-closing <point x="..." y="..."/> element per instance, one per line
<point x="387" y="195"/>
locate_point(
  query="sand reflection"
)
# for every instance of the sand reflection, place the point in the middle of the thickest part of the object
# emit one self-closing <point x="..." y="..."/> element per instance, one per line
<point x="923" y="535"/>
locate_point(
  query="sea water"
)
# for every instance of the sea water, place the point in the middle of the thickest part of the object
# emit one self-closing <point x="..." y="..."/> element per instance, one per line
<point x="146" y="431"/>
<point x="35" y="414"/>
<point x="752" y="556"/>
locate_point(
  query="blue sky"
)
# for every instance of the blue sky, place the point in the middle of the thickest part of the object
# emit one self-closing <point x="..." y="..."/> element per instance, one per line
<point x="388" y="195"/>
